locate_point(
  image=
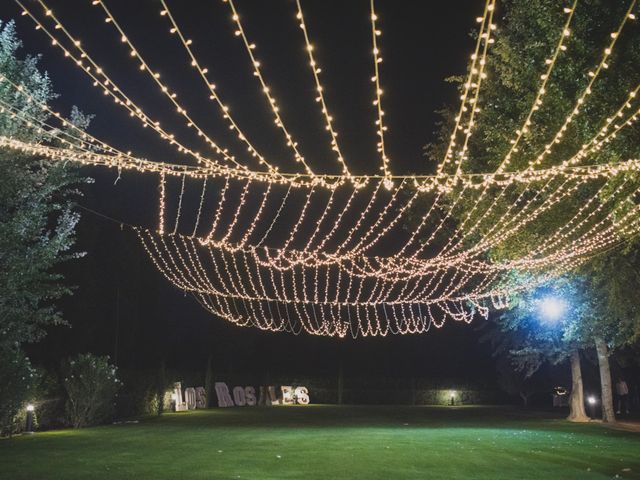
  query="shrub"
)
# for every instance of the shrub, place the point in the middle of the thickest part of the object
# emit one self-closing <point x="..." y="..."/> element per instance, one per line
<point x="91" y="385"/>
<point x="143" y="392"/>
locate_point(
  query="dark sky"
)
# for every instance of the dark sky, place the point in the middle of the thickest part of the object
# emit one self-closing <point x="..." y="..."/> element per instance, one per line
<point x="423" y="42"/>
<point x="120" y="300"/>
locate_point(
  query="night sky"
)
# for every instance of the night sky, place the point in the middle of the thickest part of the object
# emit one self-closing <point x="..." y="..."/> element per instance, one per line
<point x="122" y="306"/>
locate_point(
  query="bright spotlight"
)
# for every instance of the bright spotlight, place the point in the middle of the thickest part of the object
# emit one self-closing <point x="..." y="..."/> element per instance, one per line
<point x="552" y="308"/>
<point x="592" y="400"/>
<point x="30" y="408"/>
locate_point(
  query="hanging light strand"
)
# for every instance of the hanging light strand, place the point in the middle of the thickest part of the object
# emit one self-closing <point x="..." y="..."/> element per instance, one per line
<point x="320" y="98"/>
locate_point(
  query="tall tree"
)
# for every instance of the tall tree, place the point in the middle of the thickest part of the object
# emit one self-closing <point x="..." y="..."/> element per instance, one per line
<point x="538" y="328"/>
<point x="602" y="314"/>
<point x="613" y="319"/>
<point x="527" y="34"/>
<point x="37" y="221"/>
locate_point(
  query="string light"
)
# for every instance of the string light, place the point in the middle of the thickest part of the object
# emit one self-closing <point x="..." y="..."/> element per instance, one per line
<point x="542" y="88"/>
<point x="474" y="73"/>
<point x="315" y="69"/>
<point x="164" y="88"/>
<point x="213" y="91"/>
<point x="593" y="75"/>
<point x="473" y="104"/>
<point x="162" y="188"/>
<point x="325" y="279"/>
<point x="250" y="47"/>
<point x="381" y="128"/>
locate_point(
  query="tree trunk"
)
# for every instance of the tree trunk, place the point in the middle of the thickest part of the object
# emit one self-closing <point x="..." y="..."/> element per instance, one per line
<point x="414" y="391"/>
<point x="209" y="382"/>
<point x="608" y="414"/>
<point x="161" y="387"/>
<point x="525" y="399"/>
<point x="340" y="382"/>
<point x="576" y="402"/>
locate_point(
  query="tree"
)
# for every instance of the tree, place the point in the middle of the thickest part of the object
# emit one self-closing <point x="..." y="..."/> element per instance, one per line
<point x="529" y="338"/>
<point x="527" y="33"/>
<point x="613" y="319"/>
<point x="576" y="400"/>
<point x="161" y="388"/>
<point x="209" y="382"/>
<point x="603" y="315"/>
<point x="517" y="382"/>
<point x="37" y="221"/>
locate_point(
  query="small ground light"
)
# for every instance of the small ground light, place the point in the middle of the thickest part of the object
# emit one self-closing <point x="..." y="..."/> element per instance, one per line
<point x="29" y="425"/>
<point x="591" y="400"/>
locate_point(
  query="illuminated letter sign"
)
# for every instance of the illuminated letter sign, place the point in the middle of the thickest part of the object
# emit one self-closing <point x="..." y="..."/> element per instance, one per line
<point x="222" y="392"/>
<point x="246" y="396"/>
<point x="250" y="396"/>
<point x="239" y="397"/>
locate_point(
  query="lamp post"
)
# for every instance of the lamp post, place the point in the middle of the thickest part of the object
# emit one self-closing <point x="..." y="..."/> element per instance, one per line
<point x="452" y="395"/>
<point x="29" y="422"/>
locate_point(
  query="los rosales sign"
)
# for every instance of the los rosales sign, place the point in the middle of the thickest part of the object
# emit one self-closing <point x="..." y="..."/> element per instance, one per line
<point x="238" y="396"/>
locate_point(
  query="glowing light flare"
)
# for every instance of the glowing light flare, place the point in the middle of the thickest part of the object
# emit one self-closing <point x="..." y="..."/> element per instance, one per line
<point x="552" y="308"/>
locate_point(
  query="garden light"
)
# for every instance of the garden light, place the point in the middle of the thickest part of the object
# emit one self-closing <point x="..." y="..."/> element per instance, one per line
<point x="592" y="401"/>
<point x="28" y="428"/>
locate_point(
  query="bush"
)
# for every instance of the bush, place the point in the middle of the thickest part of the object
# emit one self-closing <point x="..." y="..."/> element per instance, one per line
<point x="143" y="392"/>
<point x="18" y="380"/>
<point x="91" y="385"/>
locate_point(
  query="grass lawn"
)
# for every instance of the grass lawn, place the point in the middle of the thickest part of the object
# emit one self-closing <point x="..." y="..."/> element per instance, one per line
<point x="327" y="442"/>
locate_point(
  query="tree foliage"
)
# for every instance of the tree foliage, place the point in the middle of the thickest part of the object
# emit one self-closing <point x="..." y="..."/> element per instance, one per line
<point x="524" y="334"/>
<point x="37" y="223"/>
<point x="527" y="34"/>
<point x="612" y="281"/>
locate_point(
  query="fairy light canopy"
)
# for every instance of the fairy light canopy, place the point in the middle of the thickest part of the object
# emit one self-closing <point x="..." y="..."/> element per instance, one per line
<point x="343" y="54"/>
<point x="285" y="235"/>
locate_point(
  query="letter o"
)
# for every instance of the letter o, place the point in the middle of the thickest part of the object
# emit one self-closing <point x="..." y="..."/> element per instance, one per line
<point x="239" y="397"/>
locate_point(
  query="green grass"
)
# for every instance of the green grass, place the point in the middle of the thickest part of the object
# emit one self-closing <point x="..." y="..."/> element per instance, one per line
<point x="322" y="442"/>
